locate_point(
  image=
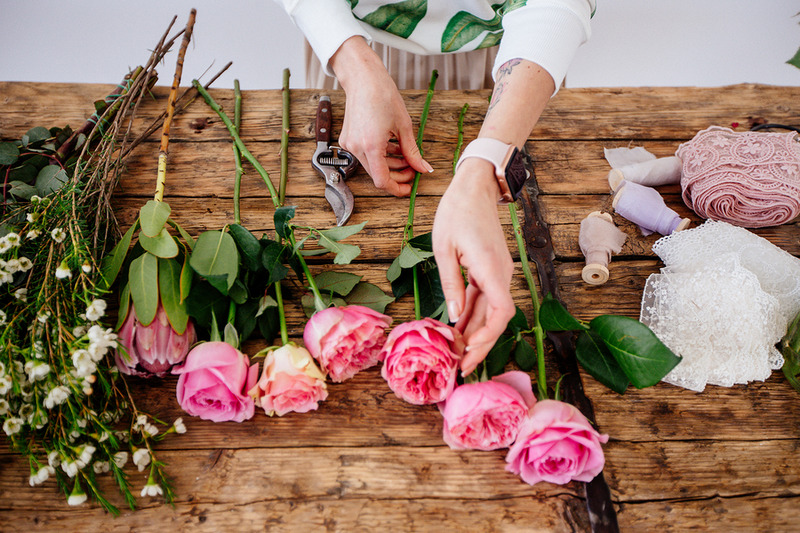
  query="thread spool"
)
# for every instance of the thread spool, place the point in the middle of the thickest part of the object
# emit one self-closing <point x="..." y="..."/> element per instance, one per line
<point x="598" y="238"/>
<point x="652" y="173"/>
<point x="646" y="208"/>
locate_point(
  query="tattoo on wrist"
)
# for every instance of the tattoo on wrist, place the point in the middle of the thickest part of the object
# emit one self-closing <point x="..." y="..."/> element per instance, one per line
<point x="501" y="84"/>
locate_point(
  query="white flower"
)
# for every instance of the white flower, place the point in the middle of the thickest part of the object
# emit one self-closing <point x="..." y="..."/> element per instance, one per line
<point x="32" y="234"/>
<point x="97" y="352"/>
<point x="56" y="396"/>
<point x="151" y="489"/>
<point x="3" y="318"/>
<point x="58" y="235"/>
<point x="103" y="337"/>
<point x="63" y="270"/>
<point x="83" y="362"/>
<point x="25" y="264"/>
<point x="30" y="217"/>
<point x="43" y="316"/>
<point x="120" y="458"/>
<point x="101" y="467"/>
<point x="12" y="265"/>
<point x="141" y="458"/>
<point x="13" y="239"/>
<point x="103" y="437"/>
<point x="54" y="458"/>
<point x="150" y="430"/>
<point x="86" y="267"/>
<point x="37" y="371"/>
<point x="79" y="331"/>
<point x="86" y="453"/>
<point x="76" y="499"/>
<point x="140" y="421"/>
<point x="4" y="245"/>
<point x="3" y="407"/>
<point x="5" y="384"/>
<point x="42" y="475"/>
<point x="13" y="425"/>
<point x="179" y="426"/>
<point x="35" y="199"/>
<point x="96" y="310"/>
<point x="6" y="277"/>
<point x="26" y="411"/>
<point x="21" y="294"/>
<point x="70" y="467"/>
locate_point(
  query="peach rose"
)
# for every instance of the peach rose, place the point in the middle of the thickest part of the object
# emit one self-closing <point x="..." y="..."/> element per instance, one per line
<point x="290" y="382"/>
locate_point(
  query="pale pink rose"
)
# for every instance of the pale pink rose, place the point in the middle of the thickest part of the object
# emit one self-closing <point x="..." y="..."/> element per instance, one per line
<point x="214" y="381"/>
<point x="487" y="415"/>
<point x="557" y="444"/>
<point x="345" y="340"/>
<point x="420" y="360"/>
<point x="154" y="349"/>
<point x="290" y="382"/>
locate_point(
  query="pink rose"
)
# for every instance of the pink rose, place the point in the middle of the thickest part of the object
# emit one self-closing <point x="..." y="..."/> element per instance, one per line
<point x="345" y="340"/>
<point x="290" y="382"/>
<point x="421" y="360"/>
<point x="213" y="383"/>
<point x="487" y="415"/>
<point x="153" y="349"/>
<point x="557" y="444"/>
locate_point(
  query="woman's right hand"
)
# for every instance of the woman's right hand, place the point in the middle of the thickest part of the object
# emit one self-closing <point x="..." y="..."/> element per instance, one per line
<point x="377" y="129"/>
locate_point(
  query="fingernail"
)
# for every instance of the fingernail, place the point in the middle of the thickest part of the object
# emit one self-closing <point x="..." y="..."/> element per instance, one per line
<point x="467" y="349"/>
<point x="427" y="166"/>
<point x="453" y="311"/>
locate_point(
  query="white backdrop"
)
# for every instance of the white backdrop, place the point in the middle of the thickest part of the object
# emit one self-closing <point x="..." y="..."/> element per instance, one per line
<point x="634" y="43"/>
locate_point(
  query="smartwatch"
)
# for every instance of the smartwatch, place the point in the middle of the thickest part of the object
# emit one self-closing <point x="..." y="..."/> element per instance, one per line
<point x="508" y="161"/>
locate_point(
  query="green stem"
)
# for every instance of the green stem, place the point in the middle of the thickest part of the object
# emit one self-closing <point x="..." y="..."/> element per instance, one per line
<point x="319" y="304"/>
<point x="284" y="137"/>
<point x="460" y="142"/>
<point x="417" y="307"/>
<point x="237" y="155"/>
<point x="236" y="139"/>
<point x="281" y="314"/>
<point x="538" y="332"/>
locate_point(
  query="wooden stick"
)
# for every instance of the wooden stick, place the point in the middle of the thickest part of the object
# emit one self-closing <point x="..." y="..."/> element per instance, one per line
<point x="284" y="137"/>
<point x="162" y="154"/>
<point x="237" y="154"/>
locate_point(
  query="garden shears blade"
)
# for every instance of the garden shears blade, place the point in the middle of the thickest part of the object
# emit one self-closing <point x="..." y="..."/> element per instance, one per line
<point x="334" y="164"/>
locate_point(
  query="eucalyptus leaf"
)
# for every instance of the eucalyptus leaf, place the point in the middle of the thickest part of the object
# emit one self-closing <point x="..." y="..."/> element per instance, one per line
<point x="25" y="173"/>
<point x="248" y="245"/>
<point x="640" y="354"/>
<point x="595" y="357"/>
<point x="112" y="262"/>
<point x="369" y="295"/>
<point x="219" y="282"/>
<point x="50" y="179"/>
<point x="184" y="234"/>
<point x="35" y="135"/>
<point x="499" y="355"/>
<point x="152" y="216"/>
<point x="143" y="281"/>
<point x="163" y="245"/>
<point x="169" y="284"/>
<point x="338" y="233"/>
<point x="187" y="274"/>
<point x="21" y="190"/>
<point x="215" y="254"/>
<point x="282" y="217"/>
<point x="410" y="256"/>
<point x="124" y="306"/>
<point x="525" y="355"/>
<point x="340" y="283"/>
<point x="554" y="317"/>
<point x="9" y="153"/>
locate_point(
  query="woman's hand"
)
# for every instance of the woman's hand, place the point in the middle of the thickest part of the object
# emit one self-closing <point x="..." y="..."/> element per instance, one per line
<point x="376" y="116"/>
<point x="467" y="233"/>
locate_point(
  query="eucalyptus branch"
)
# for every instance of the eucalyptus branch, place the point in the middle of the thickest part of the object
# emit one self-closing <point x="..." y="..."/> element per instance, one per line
<point x="236" y="139"/>
<point x="237" y="155"/>
<point x="284" y="137"/>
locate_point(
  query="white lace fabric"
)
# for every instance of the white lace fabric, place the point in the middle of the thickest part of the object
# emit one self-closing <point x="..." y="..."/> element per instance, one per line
<point x="722" y="301"/>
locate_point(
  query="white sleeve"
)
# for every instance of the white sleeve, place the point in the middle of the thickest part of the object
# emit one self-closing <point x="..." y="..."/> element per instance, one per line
<point x="326" y="24"/>
<point x="546" y="32"/>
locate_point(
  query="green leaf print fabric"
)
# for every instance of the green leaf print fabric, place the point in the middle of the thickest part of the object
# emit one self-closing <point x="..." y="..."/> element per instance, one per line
<point x="400" y="18"/>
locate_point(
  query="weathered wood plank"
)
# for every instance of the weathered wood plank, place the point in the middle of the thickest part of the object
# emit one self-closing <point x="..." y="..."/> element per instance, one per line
<point x="598" y="113"/>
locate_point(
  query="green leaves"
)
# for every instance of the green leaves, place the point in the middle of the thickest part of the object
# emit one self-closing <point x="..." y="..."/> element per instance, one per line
<point x="152" y="217"/>
<point x="344" y="288"/>
<point x="795" y="60"/>
<point x="595" y="358"/>
<point x="400" y="18"/>
<point x="163" y="245"/>
<point x="143" y="282"/>
<point x="9" y="153"/>
<point x="216" y="258"/>
<point x="50" y="179"/>
<point x="554" y="317"/>
<point x="464" y="27"/>
<point x="418" y="253"/>
<point x="790" y="349"/>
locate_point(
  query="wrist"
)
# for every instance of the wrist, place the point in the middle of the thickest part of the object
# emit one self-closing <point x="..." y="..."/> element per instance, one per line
<point x="478" y="176"/>
<point x="353" y="60"/>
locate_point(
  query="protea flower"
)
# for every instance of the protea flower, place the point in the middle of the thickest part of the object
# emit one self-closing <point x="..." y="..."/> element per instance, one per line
<point x="154" y="349"/>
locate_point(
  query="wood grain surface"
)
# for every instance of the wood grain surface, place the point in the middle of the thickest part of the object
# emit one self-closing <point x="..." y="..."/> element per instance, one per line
<point x="722" y="460"/>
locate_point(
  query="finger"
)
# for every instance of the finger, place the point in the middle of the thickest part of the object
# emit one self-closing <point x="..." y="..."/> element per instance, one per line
<point x="410" y="150"/>
<point x="397" y="163"/>
<point x="481" y="341"/>
<point x="466" y="318"/>
<point x="379" y="170"/>
<point x="452" y="282"/>
<point x="403" y="176"/>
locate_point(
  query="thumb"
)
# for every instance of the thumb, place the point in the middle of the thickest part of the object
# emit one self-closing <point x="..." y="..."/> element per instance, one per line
<point x="410" y="150"/>
<point x="452" y="283"/>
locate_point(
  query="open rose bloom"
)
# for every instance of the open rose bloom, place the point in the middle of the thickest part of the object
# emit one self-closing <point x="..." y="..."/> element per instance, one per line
<point x="154" y="349"/>
<point x="420" y="360"/>
<point x="345" y="340"/>
<point x="290" y="382"/>
<point x="487" y="415"/>
<point x="214" y="381"/>
<point x="557" y="444"/>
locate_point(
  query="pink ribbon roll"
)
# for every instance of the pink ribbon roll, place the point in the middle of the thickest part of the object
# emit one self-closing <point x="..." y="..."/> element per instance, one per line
<point x="598" y="239"/>
<point x="750" y="179"/>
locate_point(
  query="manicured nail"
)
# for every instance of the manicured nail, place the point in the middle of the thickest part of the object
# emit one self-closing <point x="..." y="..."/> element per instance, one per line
<point x="427" y="166"/>
<point x="453" y="311"/>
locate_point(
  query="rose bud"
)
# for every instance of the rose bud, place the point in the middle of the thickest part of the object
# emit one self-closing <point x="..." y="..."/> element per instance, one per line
<point x="154" y="349"/>
<point x="214" y="381"/>
<point x="421" y="360"/>
<point x="487" y="415"/>
<point x="557" y="444"/>
<point x="290" y="382"/>
<point x="345" y="340"/>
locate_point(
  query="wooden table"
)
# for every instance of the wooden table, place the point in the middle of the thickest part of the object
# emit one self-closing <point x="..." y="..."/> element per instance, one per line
<point x="725" y="459"/>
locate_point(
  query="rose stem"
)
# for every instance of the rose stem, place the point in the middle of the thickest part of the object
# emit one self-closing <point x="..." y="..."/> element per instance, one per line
<point x="460" y="142"/>
<point x="538" y="333"/>
<point x="173" y="93"/>
<point x="281" y="314"/>
<point x="236" y="139"/>
<point x="319" y="304"/>
<point x="284" y="137"/>
<point x="237" y="155"/>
